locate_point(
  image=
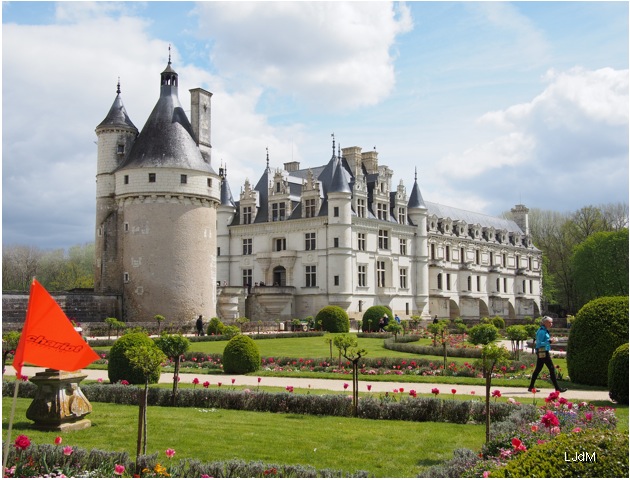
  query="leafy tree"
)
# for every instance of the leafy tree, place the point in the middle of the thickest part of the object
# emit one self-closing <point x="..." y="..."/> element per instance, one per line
<point x="159" y="319"/>
<point x="145" y="359"/>
<point x="113" y="323"/>
<point x="440" y="329"/>
<point x="10" y="341"/>
<point x="348" y="349"/>
<point x="395" y="328"/>
<point x="173" y="346"/>
<point x="517" y="334"/>
<point x="482" y="334"/>
<point x="600" y="265"/>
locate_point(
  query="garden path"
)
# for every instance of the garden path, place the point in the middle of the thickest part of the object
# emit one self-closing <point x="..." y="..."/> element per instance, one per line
<point x="338" y="385"/>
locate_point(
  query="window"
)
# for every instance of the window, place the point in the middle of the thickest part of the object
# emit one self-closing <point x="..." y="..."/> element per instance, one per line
<point x="491" y="258"/>
<point x="277" y="211"/>
<point x="277" y="187"/>
<point x="151" y="177"/>
<point x="247" y="277"/>
<point x="448" y="254"/>
<point x="448" y="281"/>
<point x="469" y="284"/>
<point x="183" y="178"/>
<point x="531" y="286"/>
<point x="126" y="227"/>
<point x="477" y="257"/>
<point x="126" y="179"/>
<point x="433" y="251"/>
<point x="279" y="244"/>
<point x="362" y="275"/>
<point x="462" y="255"/>
<point x="403" y="278"/>
<point x="361" y="241"/>
<point x="478" y="283"/>
<point x="120" y="149"/>
<point x="336" y="242"/>
<point x="335" y="211"/>
<point x="309" y="207"/>
<point x="403" y="246"/>
<point x="498" y="285"/>
<point x="336" y="280"/>
<point x="209" y="182"/>
<point x="381" y="211"/>
<point x="383" y="239"/>
<point x="524" y="287"/>
<point x="402" y="215"/>
<point x="247" y="215"/>
<point x="529" y="263"/>
<point x="361" y="207"/>
<point x="247" y="246"/>
<point x="126" y="277"/>
<point x="99" y="231"/>
<point x="311" y="275"/>
<point x="505" y="286"/>
<point x="504" y="260"/>
<point x="309" y="241"/>
<point x="380" y="273"/>
<point x="218" y="251"/>
<point x="360" y="305"/>
<point x="439" y="281"/>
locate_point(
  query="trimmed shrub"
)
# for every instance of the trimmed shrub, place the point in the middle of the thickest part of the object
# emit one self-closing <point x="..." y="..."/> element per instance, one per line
<point x="215" y="326"/>
<point x="374" y="314"/>
<point x="333" y="319"/>
<point x="498" y="322"/>
<point x="241" y="355"/>
<point x="618" y="375"/>
<point x="482" y="334"/>
<point x="607" y="450"/>
<point x="599" y="328"/>
<point x="119" y="367"/>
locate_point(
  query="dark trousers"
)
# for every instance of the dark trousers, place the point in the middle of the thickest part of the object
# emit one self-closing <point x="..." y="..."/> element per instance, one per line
<point x="546" y="360"/>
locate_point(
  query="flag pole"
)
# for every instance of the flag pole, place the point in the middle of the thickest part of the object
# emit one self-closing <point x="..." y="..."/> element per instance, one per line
<point x="6" y="446"/>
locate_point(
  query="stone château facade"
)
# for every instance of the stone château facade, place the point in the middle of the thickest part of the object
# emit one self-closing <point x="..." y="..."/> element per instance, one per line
<point x="171" y="239"/>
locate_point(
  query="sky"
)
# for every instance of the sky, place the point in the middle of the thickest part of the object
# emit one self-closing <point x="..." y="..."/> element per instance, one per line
<point x="490" y="104"/>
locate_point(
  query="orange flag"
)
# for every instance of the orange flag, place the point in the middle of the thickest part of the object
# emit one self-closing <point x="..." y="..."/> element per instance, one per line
<point x="48" y="338"/>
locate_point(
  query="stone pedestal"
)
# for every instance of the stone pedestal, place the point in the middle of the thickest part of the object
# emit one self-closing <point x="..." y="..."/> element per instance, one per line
<point x="59" y="404"/>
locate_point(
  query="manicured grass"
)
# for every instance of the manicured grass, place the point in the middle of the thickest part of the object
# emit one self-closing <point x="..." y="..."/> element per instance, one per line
<point x="393" y="449"/>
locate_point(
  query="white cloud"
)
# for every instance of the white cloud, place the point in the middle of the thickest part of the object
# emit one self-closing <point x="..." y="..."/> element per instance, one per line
<point x="328" y="55"/>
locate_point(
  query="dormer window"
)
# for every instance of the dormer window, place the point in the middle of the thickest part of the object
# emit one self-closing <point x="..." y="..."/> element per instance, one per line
<point x="277" y="212"/>
<point x="120" y="149"/>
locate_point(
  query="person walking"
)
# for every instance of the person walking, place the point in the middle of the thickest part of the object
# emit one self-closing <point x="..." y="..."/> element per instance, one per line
<point x="199" y="326"/>
<point x="543" y="346"/>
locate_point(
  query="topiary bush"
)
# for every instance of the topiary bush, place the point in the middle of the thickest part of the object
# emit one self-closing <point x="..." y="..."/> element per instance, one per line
<point x="333" y="319"/>
<point x="498" y="322"/>
<point x="599" y="328"/>
<point x="119" y="367"/>
<point x="618" y="375"/>
<point x="215" y="326"/>
<point x="241" y="355"/>
<point x="607" y="452"/>
<point x="374" y="314"/>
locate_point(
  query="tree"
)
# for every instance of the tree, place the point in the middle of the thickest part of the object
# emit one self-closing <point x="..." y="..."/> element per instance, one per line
<point x="146" y="359"/>
<point x="440" y="329"/>
<point x="348" y="349"/>
<point x="159" y="319"/>
<point x="600" y="265"/>
<point x="517" y="334"/>
<point x="113" y="323"/>
<point x="395" y="328"/>
<point x="173" y="346"/>
<point x="10" y="341"/>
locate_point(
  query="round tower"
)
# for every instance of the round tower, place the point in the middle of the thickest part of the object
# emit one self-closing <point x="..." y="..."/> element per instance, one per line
<point x="418" y="215"/>
<point x="115" y="134"/>
<point x="167" y="195"/>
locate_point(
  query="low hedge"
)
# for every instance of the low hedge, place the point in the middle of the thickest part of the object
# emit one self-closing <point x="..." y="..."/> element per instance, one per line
<point x="387" y="407"/>
<point x="402" y="345"/>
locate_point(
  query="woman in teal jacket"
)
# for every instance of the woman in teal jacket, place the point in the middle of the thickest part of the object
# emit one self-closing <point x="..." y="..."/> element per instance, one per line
<point x="543" y="346"/>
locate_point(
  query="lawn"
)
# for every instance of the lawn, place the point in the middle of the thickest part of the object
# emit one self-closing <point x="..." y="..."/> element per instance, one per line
<point x="393" y="449"/>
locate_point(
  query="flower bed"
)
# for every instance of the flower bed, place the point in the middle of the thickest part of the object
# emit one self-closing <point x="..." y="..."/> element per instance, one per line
<point x="398" y="406"/>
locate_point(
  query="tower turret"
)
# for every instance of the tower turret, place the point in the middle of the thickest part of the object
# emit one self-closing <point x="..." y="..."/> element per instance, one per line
<point x="418" y="214"/>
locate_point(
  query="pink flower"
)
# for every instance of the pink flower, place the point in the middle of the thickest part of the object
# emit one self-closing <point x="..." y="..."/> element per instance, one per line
<point x="24" y="378"/>
<point x="576" y="430"/>
<point x="435" y="391"/>
<point x="555" y="430"/>
<point x="206" y="384"/>
<point x="205" y="475"/>
<point x="413" y="393"/>
<point x="100" y="380"/>
<point x="486" y="474"/>
<point x="395" y="390"/>
<point x="369" y="387"/>
<point x="534" y="428"/>
<point x="170" y="453"/>
<point x="345" y="386"/>
<point x="22" y="442"/>
<point x="472" y="392"/>
<point x="124" y="382"/>
<point x="67" y="451"/>
<point x="588" y="416"/>
<point x="289" y="388"/>
<point x="58" y="440"/>
<point x="119" y="469"/>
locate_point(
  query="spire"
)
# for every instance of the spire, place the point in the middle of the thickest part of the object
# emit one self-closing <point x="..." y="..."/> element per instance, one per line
<point x="333" y="145"/>
<point x="415" y="199"/>
<point x="169" y="77"/>
<point x="118" y="87"/>
<point x="268" y="169"/>
<point x="117" y="115"/>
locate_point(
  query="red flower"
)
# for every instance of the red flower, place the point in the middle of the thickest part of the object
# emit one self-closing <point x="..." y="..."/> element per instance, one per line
<point x="435" y="391"/>
<point x="401" y="390"/>
<point x="22" y="442"/>
<point x="233" y="380"/>
<point x="119" y="469"/>
<point x="550" y="420"/>
<point x="124" y="382"/>
<point x="453" y="391"/>
<point x="413" y="393"/>
<point x="369" y="387"/>
<point x="518" y="445"/>
<point x="58" y="441"/>
<point x="195" y="381"/>
<point x="219" y="384"/>
<point x="496" y="394"/>
<point x="206" y="384"/>
<point x="345" y="386"/>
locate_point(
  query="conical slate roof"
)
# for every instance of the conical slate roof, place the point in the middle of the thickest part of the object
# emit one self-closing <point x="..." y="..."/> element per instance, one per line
<point x="167" y="139"/>
<point x="415" y="199"/>
<point x="117" y="115"/>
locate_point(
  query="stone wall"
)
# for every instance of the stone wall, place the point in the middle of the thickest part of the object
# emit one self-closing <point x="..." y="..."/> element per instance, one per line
<point x="80" y="306"/>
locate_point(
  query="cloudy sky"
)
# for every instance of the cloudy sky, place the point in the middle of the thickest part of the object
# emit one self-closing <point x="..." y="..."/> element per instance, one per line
<point x="493" y="103"/>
